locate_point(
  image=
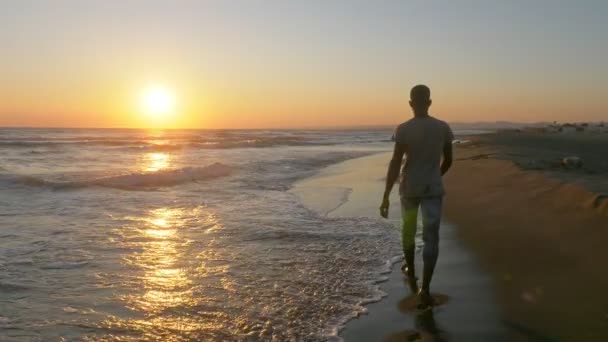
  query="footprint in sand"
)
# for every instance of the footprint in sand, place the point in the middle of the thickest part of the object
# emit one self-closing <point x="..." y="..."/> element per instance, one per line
<point x="411" y="303"/>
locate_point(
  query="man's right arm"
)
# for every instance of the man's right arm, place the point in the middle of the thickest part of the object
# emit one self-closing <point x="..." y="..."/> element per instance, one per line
<point x="393" y="169"/>
<point x="391" y="177"/>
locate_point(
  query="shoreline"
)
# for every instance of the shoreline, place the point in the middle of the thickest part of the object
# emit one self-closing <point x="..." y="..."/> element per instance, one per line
<point x="534" y="228"/>
<point x="328" y="193"/>
<point x="459" y="279"/>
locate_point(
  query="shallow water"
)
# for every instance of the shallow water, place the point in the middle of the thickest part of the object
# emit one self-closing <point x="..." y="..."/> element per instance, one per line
<point x="132" y="235"/>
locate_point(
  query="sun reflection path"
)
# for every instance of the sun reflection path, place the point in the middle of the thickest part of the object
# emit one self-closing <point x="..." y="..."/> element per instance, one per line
<point x="163" y="258"/>
<point x="164" y="279"/>
<point x="174" y="272"/>
<point x="156" y="161"/>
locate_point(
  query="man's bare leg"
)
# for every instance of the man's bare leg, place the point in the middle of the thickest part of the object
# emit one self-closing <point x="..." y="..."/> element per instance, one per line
<point x="431" y="219"/>
<point x="410" y="217"/>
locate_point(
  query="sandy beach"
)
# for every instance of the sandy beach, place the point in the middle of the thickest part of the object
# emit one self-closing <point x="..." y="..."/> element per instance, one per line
<point x="521" y="245"/>
<point x="539" y="227"/>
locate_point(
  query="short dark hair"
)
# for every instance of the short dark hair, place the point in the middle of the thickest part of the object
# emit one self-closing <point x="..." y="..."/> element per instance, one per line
<point x="420" y="94"/>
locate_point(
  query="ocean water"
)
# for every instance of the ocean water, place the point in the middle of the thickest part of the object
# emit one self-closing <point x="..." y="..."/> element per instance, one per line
<point x="133" y="235"/>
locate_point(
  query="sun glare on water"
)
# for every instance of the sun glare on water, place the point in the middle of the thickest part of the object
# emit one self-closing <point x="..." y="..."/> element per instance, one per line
<point x="158" y="101"/>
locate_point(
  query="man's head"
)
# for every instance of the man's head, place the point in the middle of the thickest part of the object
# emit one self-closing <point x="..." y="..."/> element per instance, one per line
<point x="420" y="98"/>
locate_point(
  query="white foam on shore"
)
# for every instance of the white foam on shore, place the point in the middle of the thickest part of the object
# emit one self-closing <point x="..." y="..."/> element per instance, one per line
<point x="353" y="189"/>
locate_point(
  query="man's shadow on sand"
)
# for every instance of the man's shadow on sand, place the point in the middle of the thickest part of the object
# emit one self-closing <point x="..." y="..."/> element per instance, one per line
<point x="426" y="328"/>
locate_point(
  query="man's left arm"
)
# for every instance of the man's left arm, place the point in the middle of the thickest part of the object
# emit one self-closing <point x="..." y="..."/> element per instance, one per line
<point x="447" y="151"/>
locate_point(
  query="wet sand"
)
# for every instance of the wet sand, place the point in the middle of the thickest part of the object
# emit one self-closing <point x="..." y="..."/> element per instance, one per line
<point x="470" y="312"/>
<point x="539" y="228"/>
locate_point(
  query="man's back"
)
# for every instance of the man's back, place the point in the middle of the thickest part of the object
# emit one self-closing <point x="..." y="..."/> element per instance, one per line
<point x="424" y="139"/>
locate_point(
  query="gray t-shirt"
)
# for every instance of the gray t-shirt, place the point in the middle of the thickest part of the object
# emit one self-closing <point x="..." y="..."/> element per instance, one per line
<point x="423" y="139"/>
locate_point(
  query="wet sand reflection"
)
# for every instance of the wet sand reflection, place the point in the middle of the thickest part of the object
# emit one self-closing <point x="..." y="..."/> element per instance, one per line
<point x="426" y="329"/>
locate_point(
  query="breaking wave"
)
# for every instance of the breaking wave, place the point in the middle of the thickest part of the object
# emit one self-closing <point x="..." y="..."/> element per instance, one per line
<point x="165" y="145"/>
<point x="133" y="181"/>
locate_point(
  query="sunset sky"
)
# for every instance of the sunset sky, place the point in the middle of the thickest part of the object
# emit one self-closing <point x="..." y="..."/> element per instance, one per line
<point x="251" y="64"/>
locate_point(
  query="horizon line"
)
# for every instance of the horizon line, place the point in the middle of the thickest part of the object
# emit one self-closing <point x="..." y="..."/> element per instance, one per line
<point x="280" y="128"/>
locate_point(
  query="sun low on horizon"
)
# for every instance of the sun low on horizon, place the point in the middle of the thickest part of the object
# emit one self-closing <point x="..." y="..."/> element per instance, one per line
<point x="157" y="103"/>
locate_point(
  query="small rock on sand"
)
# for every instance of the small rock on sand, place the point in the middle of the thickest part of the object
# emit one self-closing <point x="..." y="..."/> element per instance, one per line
<point x="572" y="162"/>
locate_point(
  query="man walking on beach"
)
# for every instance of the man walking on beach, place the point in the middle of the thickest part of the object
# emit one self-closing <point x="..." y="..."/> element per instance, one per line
<point x="423" y="139"/>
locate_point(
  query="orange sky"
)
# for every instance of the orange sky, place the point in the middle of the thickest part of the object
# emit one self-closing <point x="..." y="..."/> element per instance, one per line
<point x="292" y="64"/>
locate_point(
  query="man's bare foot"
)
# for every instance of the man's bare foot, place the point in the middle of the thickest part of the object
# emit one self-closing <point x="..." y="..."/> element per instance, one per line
<point x="412" y="281"/>
<point x="425" y="299"/>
